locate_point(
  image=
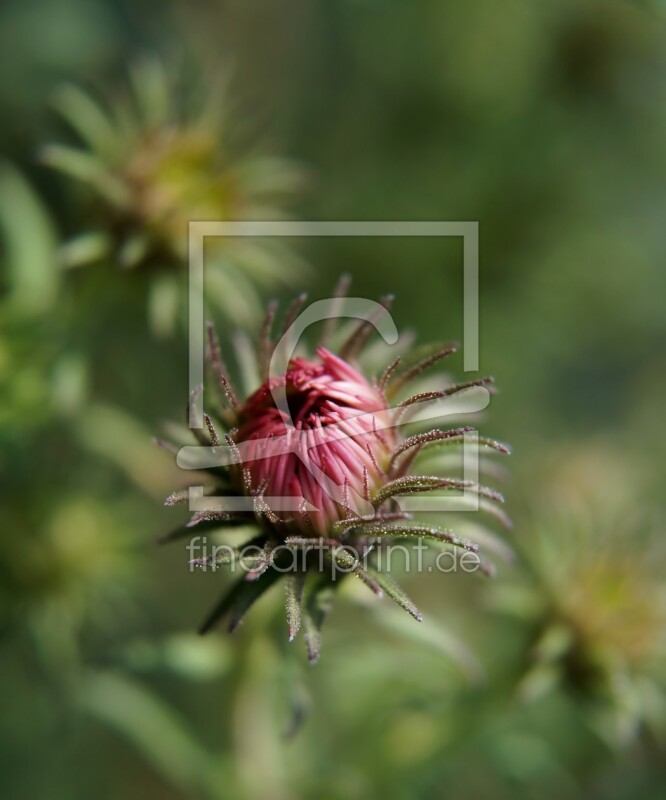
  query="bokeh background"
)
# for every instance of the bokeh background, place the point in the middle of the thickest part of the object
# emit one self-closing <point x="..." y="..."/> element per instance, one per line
<point x="546" y="122"/>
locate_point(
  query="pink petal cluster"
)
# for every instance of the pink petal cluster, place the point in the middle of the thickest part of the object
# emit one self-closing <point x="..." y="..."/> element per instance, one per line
<point x="331" y="451"/>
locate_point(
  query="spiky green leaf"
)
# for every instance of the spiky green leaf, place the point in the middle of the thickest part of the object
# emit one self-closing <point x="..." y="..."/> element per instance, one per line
<point x="417" y="484"/>
<point x="314" y="613"/>
<point x="294" y="585"/>
<point x="418" y="532"/>
<point x="392" y="590"/>
<point x="238" y="600"/>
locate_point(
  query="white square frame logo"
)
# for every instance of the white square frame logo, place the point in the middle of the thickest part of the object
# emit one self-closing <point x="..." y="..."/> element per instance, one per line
<point x="467" y="230"/>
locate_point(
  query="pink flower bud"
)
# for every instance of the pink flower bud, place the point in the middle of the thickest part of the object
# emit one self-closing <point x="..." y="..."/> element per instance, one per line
<point x="331" y="451"/>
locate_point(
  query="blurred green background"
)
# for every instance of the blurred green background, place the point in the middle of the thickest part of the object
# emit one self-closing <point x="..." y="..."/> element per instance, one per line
<point x="546" y="122"/>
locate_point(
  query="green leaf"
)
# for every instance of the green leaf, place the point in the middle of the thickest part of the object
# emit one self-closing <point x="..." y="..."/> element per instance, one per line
<point x="539" y="681"/>
<point x="448" y="438"/>
<point x="124" y="441"/>
<point x="87" y="168"/>
<point x="87" y="118"/>
<point x="163" y="302"/>
<point x="183" y="654"/>
<point x="230" y="290"/>
<point x="415" y="531"/>
<point x="150" y="725"/>
<point x="416" y="484"/>
<point x="430" y="634"/>
<point x="84" y="249"/>
<point x="30" y="243"/>
<point x="400" y="380"/>
<point x="134" y="250"/>
<point x="314" y="613"/>
<point x="270" y="175"/>
<point x="239" y="599"/>
<point x="187" y="531"/>
<point x="295" y="583"/>
<point x="349" y="564"/>
<point x="392" y="590"/>
<point x="151" y="89"/>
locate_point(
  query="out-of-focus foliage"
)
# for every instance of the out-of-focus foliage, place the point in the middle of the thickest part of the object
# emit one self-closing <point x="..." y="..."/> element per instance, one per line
<point x="164" y="153"/>
<point x="598" y="607"/>
<point x="545" y="122"/>
<point x="593" y="594"/>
